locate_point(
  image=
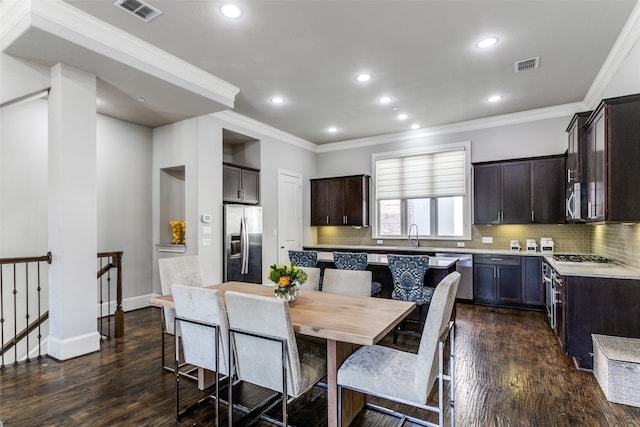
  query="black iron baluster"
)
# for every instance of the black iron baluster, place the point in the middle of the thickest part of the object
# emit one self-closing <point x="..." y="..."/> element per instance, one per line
<point x="15" y="317"/>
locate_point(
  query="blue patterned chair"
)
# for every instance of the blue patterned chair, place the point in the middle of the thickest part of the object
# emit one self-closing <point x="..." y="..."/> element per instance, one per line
<point x="407" y="272"/>
<point x="355" y="261"/>
<point x="303" y="258"/>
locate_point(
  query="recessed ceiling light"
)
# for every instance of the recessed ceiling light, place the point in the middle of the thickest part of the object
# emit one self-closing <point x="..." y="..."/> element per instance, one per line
<point x="333" y="129"/>
<point x="363" y="77"/>
<point x="277" y="100"/>
<point x="230" y="10"/>
<point x="141" y="99"/>
<point x="384" y="100"/>
<point x="394" y="108"/>
<point x="403" y="116"/>
<point x="415" y="126"/>
<point x="494" y="98"/>
<point x="488" y="42"/>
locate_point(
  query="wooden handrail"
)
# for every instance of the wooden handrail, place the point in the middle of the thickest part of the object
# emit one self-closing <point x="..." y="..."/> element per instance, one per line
<point x="46" y="257"/>
<point x="22" y="334"/>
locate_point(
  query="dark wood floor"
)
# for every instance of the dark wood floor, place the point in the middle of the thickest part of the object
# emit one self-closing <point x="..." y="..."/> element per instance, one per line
<point x="509" y="372"/>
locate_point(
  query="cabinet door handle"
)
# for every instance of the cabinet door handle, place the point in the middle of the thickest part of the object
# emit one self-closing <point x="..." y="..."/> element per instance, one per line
<point x="327" y="219"/>
<point x="497" y="259"/>
<point x="498" y="216"/>
<point x="569" y="175"/>
<point x="532" y="216"/>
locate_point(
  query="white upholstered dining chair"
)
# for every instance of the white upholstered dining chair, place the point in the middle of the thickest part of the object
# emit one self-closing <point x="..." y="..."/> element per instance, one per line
<point x="266" y="350"/>
<point x="407" y="377"/>
<point x="202" y="320"/>
<point x="347" y="282"/>
<point x="183" y="270"/>
<point x="313" y="278"/>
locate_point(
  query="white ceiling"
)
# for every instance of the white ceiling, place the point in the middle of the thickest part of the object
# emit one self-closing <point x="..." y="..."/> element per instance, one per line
<point x="421" y="53"/>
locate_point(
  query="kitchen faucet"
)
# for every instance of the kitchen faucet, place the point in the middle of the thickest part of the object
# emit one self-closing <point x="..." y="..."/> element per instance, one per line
<point x="417" y="243"/>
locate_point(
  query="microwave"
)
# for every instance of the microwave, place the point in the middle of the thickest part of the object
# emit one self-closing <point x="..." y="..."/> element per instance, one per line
<point x="573" y="202"/>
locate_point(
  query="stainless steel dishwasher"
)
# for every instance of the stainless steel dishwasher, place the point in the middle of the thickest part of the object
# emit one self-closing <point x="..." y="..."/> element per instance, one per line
<point x="465" y="268"/>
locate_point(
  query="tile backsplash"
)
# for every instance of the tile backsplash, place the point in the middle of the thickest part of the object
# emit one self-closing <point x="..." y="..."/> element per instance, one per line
<point x="570" y="238"/>
<point x="618" y="241"/>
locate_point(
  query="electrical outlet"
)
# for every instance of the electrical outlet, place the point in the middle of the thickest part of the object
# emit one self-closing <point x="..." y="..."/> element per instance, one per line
<point x="379" y="242"/>
<point x="487" y="239"/>
<point x="206" y="242"/>
<point x="460" y="244"/>
<point x="206" y="231"/>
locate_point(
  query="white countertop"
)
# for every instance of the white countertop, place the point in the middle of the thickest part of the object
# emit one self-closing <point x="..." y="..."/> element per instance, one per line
<point x="422" y="249"/>
<point x="610" y="270"/>
<point x="381" y="259"/>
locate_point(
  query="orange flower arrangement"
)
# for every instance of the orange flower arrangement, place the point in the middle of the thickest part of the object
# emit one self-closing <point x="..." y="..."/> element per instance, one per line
<point x="287" y="278"/>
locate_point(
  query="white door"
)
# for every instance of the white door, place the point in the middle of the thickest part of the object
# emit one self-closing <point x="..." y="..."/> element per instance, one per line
<point x="289" y="214"/>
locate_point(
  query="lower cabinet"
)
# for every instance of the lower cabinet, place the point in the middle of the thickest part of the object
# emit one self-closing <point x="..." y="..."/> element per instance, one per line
<point x="508" y="280"/>
<point x="596" y="305"/>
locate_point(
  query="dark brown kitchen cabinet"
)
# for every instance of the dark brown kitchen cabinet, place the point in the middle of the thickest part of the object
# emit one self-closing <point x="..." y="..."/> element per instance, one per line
<point x="547" y="191"/>
<point x="575" y="152"/>
<point x="532" y="285"/>
<point x="497" y="279"/>
<point x="340" y="201"/>
<point x="508" y="280"/>
<point x="596" y="305"/>
<point x="502" y="193"/>
<point x="520" y="191"/>
<point x="612" y="155"/>
<point x="240" y="184"/>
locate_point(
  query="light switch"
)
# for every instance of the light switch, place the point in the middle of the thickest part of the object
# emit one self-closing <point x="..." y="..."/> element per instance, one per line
<point x="206" y="242"/>
<point x="206" y="231"/>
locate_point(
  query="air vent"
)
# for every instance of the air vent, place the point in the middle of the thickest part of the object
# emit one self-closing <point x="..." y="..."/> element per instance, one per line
<point x="139" y="8"/>
<point x="527" y="64"/>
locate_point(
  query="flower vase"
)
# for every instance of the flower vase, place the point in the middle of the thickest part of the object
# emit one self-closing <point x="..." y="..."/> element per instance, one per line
<point x="287" y="293"/>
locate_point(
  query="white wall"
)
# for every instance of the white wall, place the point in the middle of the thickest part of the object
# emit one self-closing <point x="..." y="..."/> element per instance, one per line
<point x="540" y="138"/>
<point x="124" y="152"/>
<point x="23" y="179"/>
<point x="19" y="77"/>
<point x="626" y="80"/>
<point x="276" y="153"/>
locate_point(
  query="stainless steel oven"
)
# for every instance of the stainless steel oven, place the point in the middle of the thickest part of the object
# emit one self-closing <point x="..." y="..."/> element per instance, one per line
<point x="550" y="294"/>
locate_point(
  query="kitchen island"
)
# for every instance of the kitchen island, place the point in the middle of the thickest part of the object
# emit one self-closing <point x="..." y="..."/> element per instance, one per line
<point x="439" y="267"/>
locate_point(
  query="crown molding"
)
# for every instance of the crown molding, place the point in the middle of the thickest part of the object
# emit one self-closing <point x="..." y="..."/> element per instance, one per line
<point x="76" y="26"/>
<point x="243" y="121"/>
<point x="466" y="126"/>
<point x="627" y="38"/>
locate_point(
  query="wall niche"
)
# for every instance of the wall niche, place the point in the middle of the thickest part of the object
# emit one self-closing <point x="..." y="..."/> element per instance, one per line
<point x="172" y="209"/>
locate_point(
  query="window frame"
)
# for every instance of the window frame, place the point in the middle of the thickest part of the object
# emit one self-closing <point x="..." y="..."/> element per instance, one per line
<point x="468" y="197"/>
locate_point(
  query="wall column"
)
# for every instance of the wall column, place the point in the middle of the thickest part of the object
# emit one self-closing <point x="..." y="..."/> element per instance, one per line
<point x="72" y="214"/>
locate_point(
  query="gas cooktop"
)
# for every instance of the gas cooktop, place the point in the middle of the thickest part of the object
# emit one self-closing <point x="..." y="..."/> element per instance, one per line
<point x="590" y="259"/>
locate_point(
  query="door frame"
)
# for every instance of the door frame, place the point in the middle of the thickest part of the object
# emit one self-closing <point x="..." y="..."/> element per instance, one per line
<point x="298" y="176"/>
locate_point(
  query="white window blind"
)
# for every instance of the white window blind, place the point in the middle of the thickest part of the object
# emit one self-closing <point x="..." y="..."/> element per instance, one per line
<point x="437" y="174"/>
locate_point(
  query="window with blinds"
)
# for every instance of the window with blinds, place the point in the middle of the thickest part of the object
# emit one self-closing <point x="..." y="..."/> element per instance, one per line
<point x="424" y="190"/>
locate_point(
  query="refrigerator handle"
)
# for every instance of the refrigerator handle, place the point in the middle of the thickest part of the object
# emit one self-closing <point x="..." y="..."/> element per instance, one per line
<point x="243" y="246"/>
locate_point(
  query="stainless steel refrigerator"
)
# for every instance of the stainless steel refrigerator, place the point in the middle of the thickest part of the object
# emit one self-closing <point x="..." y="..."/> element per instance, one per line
<point x="243" y="243"/>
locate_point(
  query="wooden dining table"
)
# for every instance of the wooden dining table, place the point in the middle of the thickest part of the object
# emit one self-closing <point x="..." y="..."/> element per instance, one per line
<point x="346" y="322"/>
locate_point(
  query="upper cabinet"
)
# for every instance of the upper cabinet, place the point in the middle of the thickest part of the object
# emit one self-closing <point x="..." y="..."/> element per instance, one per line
<point x="575" y="157"/>
<point x="240" y="168"/>
<point x="340" y="201"/>
<point x="240" y="185"/>
<point x="612" y="154"/>
<point x="522" y="191"/>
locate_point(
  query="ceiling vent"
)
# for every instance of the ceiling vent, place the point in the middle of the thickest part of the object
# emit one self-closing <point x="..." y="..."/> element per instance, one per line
<point x="527" y="64"/>
<point x="139" y="8"/>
